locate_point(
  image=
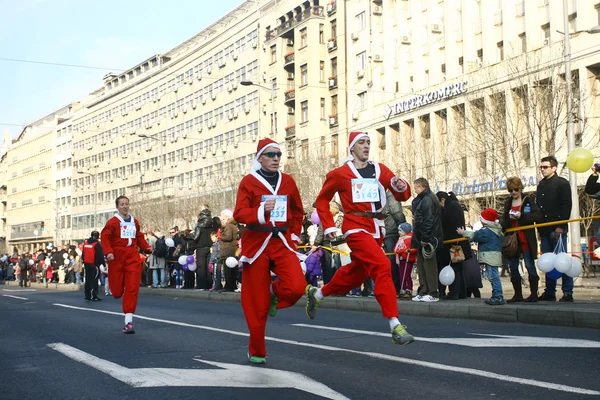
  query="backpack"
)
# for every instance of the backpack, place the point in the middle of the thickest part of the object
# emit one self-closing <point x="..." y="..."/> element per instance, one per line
<point x="89" y="252"/>
<point x="160" y="247"/>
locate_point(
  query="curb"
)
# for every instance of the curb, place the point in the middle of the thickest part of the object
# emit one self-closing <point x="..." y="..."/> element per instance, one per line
<point x="580" y="314"/>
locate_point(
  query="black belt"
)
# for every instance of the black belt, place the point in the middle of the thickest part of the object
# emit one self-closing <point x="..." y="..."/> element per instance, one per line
<point x="367" y="214"/>
<point x="273" y="229"/>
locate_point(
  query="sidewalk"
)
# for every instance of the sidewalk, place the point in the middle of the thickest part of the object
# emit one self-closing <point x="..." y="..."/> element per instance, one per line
<point x="583" y="313"/>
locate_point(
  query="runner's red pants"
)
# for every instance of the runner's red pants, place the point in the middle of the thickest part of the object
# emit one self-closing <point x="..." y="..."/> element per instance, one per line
<point x="125" y="273"/>
<point x="256" y="295"/>
<point x="368" y="259"/>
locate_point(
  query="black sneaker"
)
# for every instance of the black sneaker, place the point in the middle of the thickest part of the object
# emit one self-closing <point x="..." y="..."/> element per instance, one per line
<point x="96" y="299"/>
<point x="546" y="297"/>
<point x="567" y="298"/>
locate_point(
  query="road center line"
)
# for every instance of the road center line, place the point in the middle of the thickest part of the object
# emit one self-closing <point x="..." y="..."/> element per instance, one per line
<point x="387" y="357"/>
<point x="20" y="290"/>
<point x="15" y="297"/>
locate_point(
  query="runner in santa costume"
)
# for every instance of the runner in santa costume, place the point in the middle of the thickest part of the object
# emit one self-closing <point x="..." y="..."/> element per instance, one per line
<point x="361" y="185"/>
<point x="121" y="238"/>
<point x="269" y="203"/>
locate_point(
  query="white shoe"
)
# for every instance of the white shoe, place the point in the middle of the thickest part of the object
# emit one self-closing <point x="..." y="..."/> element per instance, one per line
<point x="430" y="299"/>
<point x="418" y="298"/>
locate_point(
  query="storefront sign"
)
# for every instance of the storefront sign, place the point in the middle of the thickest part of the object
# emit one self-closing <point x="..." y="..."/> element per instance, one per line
<point x="425" y="99"/>
<point x="496" y="184"/>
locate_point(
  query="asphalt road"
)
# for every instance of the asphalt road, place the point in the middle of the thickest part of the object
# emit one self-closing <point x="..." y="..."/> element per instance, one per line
<point x="55" y="345"/>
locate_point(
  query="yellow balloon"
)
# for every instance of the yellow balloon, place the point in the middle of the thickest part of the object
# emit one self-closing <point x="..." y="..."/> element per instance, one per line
<point x="580" y="160"/>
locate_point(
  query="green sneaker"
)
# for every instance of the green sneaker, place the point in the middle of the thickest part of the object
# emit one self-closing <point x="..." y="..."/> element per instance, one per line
<point x="311" y="301"/>
<point x="400" y="336"/>
<point x="256" y="360"/>
<point x="273" y="306"/>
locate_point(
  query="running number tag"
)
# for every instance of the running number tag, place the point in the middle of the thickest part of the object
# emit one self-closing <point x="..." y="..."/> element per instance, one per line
<point x="279" y="214"/>
<point x="365" y="190"/>
<point x="127" y="230"/>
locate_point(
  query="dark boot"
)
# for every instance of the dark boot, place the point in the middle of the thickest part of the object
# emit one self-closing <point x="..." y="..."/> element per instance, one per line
<point x="533" y="283"/>
<point x="516" y="282"/>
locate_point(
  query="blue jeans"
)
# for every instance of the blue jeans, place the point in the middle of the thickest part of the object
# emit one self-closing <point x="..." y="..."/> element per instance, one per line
<point x="77" y="277"/>
<point x="155" y="277"/>
<point x="513" y="262"/>
<point x="548" y="242"/>
<point x="178" y="277"/>
<point x="494" y="280"/>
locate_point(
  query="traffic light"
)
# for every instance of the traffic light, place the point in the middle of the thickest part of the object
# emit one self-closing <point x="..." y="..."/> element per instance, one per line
<point x="42" y="226"/>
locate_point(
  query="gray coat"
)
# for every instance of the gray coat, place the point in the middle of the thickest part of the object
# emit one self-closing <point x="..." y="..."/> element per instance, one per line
<point x="393" y="215"/>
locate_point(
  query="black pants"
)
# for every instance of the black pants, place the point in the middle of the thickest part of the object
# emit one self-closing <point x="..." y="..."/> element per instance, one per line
<point x="458" y="288"/>
<point x="389" y="243"/>
<point x="90" y="289"/>
<point x="327" y="266"/>
<point x="203" y="280"/>
<point x="230" y="277"/>
<point x="23" y="278"/>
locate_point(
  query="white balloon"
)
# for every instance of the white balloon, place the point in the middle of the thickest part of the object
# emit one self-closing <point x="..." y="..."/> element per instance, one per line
<point x="192" y="267"/>
<point x="303" y="265"/>
<point x="65" y="255"/>
<point x="78" y="252"/>
<point x="562" y="262"/>
<point x="576" y="268"/>
<point x="447" y="275"/>
<point x="36" y="232"/>
<point x="170" y="242"/>
<point x="103" y="269"/>
<point x="231" y="262"/>
<point x="546" y="262"/>
<point x="31" y="262"/>
<point x="182" y="260"/>
<point x="66" y="261"/>
<point x="4" y="258"/>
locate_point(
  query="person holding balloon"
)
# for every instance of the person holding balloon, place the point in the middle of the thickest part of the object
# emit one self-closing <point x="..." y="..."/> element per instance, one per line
<point x="269" y="203"/>
<point x="554" y="200"/>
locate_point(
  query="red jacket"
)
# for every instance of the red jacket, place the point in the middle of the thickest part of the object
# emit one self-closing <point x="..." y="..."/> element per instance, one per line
<point x="403" y="250"/>
<point x="339" y="180"/>
<point x="111" y="237"/>
<point x="249" y="210"/>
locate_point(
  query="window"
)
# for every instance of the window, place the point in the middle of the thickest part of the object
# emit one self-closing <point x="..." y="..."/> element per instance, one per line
<point x="480" y="56"/>
<point x="546" y="31"/>
<point x="303" y="75"/>
<point x="322" y="71"/>
<point x="322" y="108"/>
<point x="304" y="148"/>
<point x="273" y="54"/>
<point x="304" y="108"/>
<point x="334" y="29"/>
<point x="359" y="22"/>
<point x="303" y="37"/>
<point x="500" y="50"/>
<point x="523" y="42"/>
<point x="573" y="22"/>
<point x="334" y="105"/>
<point x="597" y="7"/>
<point x="361" y="101"/>
<point x="334" y="66"/>
<point x="321" y="33"/>
<point x="361" y="61"/>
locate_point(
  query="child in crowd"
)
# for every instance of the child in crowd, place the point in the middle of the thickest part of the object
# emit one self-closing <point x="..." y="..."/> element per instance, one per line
<point x="215" y="255"/>
<point x="490" y="239"/>
<point x="405" y="258"/>
<point x="313" y="267"/>
<point x="49" y="273"/>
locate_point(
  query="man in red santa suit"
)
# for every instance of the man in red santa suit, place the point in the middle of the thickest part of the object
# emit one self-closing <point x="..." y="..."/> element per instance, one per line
<point x="361" y="185"/>
<point x="121" y="238"/>
<point x="269" y="203"/>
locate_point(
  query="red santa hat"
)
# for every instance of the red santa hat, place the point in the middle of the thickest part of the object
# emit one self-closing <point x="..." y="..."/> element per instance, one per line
<point x="263" y="144"/>
<point x="489" y="216"/>
<point x="352" y="139"/>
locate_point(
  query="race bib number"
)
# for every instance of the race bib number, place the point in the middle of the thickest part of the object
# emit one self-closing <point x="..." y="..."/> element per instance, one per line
<point x="279" y="214"/>
<point x="365" y="190"/>
<point x="128" y="230"/>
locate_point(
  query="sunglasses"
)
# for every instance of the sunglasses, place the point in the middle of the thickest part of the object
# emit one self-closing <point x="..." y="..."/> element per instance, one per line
<point x="172" y="232"/>
<point x="272" y="154"/>
<point x="545" y="166"/>
<point x="513" y="190"/>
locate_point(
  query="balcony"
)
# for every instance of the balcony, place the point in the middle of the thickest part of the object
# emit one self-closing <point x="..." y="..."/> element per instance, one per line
<point x="288" y="61"/>
<point x="290" y="97"/>
<point x="333" y="82"/>
<point x="290" y="131"/>
<point x="331" y="8"/>
<point x="333" y="121"/>
<point x="331" y="44"/>
<point x="285" y="28"/>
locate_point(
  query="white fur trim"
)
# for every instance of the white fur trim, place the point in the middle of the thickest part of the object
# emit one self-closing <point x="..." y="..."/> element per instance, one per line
<point x="356" y="139"/>
<point x="261" y="214"/>
<point x="486" y="222"/>
<point x="395" y="188"/>
<point x="259" y="153"/>
<point x="295" y="237"/>
<point x="329" y="230"/>
<point x="255" y="165"/>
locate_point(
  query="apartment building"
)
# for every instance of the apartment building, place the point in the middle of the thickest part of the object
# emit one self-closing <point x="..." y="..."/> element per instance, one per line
<point x="32" y="198"/>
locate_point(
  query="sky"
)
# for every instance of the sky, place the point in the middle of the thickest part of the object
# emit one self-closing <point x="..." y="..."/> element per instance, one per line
<point x="102" y="36"/>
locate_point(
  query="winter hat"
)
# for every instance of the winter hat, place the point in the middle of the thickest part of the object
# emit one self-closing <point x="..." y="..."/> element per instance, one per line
<point x="227" y="213"/>
<point x="405" y="227"/>
<point x="263" y="144"/>
<point x="352" y="139"/>
<point x="489" y="216"/>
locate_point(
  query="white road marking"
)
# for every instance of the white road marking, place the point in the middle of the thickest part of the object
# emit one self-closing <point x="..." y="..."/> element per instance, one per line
<point x="387" y="357"/>
<point x="20" y="290"/>
<point x="15" y="297"/>
<point x="490" y="341"/>
<point x="227" y="375"/>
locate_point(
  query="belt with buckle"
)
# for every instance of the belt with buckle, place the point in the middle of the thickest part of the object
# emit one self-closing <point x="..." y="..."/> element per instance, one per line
<point x="367" y="214"/>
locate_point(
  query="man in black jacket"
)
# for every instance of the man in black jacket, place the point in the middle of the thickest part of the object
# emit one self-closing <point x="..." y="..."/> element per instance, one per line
<point x="93" y="257"/>
<point x="427" y="238"/>
<point x="202" y="242"/>
<point x="554" y="199"/>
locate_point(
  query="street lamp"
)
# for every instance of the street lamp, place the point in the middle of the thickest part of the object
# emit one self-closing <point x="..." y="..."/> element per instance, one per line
<point x="574" y="226"/>
<point x="272" y="89"/>
<point x="55" y="211"/>
<point x="162" y="176"/>
<point x="95" y="194"/>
